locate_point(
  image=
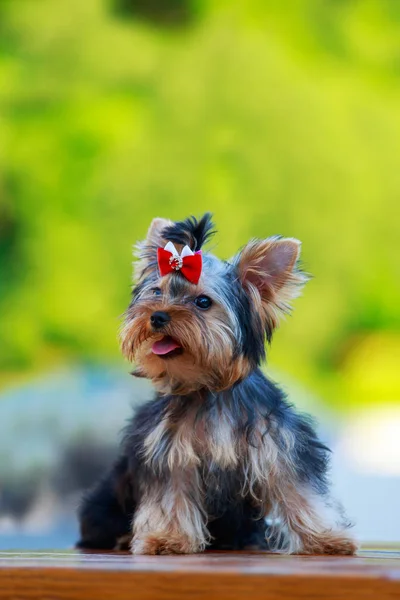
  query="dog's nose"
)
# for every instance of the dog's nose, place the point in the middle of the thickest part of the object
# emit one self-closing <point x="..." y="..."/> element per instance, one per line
<point x="159" y="318"/>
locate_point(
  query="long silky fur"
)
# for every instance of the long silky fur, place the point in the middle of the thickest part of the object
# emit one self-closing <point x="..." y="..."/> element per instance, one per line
<point x="219" y="458"/>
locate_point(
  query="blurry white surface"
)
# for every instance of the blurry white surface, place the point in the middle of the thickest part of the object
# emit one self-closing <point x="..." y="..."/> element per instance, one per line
<point x="366" y="472"/>
<point x="371" y="441"/>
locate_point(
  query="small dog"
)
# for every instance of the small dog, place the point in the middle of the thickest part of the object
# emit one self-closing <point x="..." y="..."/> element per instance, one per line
<point x="219" y="459"/>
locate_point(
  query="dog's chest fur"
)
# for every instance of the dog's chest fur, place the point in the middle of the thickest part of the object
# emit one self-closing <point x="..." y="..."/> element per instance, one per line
<point x="195" y="439"/>
<point x="211" y="440"/>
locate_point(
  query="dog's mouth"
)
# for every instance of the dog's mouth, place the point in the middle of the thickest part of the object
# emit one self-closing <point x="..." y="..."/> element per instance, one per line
<point x="167" y="347"/>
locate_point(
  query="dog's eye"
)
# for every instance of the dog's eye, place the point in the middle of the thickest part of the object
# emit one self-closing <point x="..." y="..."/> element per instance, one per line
<point x="156" y="292"/>
<point x="203" y="302"/>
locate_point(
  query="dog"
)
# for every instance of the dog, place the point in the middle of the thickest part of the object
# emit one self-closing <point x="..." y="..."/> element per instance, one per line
<point x="219" y="459"/>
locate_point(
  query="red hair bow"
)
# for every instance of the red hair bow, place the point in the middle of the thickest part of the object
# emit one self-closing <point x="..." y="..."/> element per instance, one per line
<point x="189" y="263"/>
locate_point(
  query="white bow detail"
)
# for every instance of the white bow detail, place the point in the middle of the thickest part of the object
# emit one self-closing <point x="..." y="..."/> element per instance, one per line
<point x="186" y="251"/>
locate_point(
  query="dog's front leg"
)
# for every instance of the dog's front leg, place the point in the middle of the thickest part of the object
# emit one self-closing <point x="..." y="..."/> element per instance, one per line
<point x="308" y="522"/>
<point x="170" y="518"/>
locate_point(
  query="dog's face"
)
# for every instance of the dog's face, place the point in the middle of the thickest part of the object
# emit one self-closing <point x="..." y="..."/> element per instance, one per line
<point x="186" y="336"/>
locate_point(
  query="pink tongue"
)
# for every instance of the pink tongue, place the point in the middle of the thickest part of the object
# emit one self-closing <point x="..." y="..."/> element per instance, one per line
<point x="164" y="346"/>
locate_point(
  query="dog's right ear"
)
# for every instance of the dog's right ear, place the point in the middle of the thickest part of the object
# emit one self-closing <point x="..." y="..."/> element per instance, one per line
<point x="146" y="251"/>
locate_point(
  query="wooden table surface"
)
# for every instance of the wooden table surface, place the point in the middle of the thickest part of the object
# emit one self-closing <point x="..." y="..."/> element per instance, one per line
<point x="73" y="576"/>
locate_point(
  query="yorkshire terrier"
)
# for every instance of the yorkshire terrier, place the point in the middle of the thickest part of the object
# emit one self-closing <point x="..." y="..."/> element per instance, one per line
<point x="219" y="459"/>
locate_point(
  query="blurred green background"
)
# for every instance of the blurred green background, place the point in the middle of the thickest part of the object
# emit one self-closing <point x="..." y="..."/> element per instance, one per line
<point x="279" y="118"/>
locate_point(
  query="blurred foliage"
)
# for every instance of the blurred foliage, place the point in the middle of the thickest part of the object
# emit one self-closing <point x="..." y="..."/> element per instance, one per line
<point x="163" y="12"/>
<point x="277" y="120"/>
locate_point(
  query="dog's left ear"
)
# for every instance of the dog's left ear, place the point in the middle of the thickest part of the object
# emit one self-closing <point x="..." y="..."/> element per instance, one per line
<point x="268" y="270"/>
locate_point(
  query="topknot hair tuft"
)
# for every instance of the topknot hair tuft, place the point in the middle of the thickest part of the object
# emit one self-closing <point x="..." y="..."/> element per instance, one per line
<point x="192" y="232"/>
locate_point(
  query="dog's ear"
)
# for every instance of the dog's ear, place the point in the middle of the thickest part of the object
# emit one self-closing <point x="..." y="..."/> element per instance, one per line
<point x="268" y="270"/>
<point x="146" y="251"/>
<point x="268" y="264"/>
<point x="154" y="234"/>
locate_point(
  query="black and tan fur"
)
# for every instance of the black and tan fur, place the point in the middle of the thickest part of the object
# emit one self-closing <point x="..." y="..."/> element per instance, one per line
<point x="219" y="458"/>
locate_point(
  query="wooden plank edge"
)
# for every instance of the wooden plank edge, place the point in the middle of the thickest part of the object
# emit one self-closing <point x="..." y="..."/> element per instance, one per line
<point x="74" y="584"/>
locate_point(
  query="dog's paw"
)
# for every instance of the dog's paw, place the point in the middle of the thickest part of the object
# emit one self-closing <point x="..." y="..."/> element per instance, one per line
<point x="340" y="545"/>
<point x="155" y="543"/>
<point x="330" y="543"/>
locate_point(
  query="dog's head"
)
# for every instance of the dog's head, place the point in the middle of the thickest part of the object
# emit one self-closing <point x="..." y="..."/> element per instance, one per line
<point x="196" y="321"/>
